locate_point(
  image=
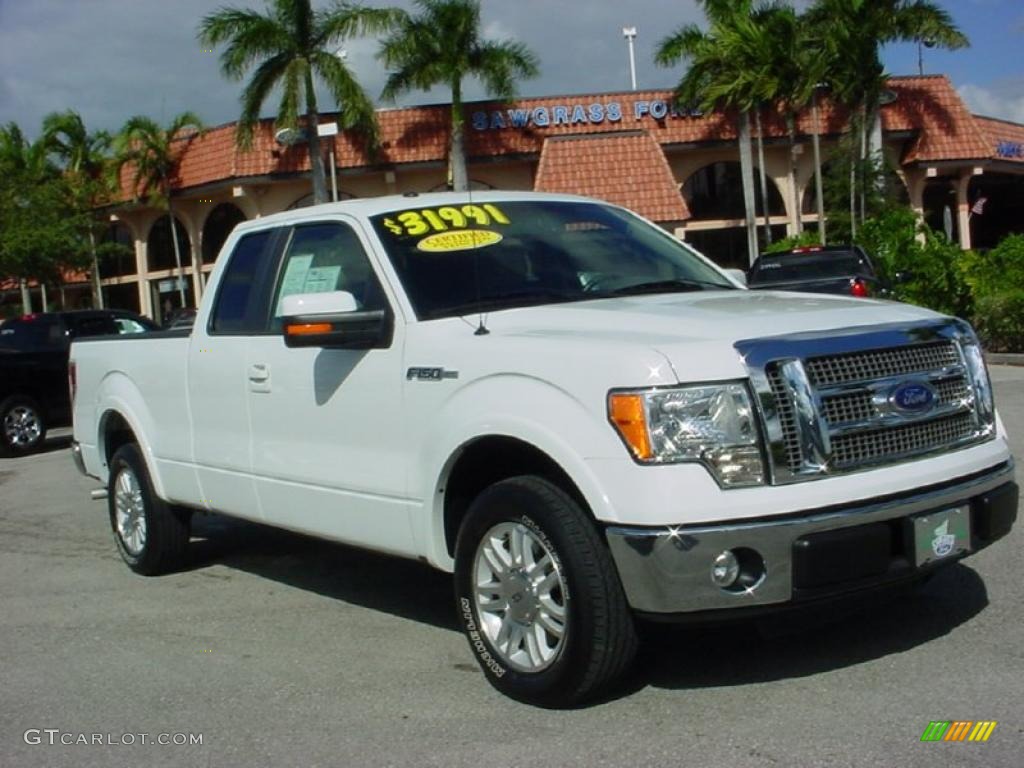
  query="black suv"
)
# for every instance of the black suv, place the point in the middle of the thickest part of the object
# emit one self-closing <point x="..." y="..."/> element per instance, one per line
<point x="842" y="269"/>
<point x="34" y="369"/>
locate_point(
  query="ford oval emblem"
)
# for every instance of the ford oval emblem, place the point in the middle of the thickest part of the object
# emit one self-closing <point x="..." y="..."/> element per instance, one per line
<point x="913" y="397"/>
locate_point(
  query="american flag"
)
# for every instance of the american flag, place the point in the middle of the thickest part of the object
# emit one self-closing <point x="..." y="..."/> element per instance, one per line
<point x="979" y="206"/>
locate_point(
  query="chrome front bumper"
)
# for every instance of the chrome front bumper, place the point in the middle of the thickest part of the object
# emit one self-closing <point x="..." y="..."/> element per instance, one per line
<point x="667" y="570"/>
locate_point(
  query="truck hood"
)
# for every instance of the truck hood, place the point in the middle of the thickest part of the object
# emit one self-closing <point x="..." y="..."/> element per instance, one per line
<point x="696" y="331"/>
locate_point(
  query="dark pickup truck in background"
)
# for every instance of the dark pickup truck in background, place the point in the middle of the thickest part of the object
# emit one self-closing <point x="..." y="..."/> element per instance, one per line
<point x="841" y="269"/>
<point x="34" y="353"/>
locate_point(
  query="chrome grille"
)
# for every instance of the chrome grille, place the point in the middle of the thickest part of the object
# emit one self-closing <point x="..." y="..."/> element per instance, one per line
<point x="873" y="447"/>
<point x="881" y="363"/>
<point x="831" y="404"/>
<point x="859" y="406"/>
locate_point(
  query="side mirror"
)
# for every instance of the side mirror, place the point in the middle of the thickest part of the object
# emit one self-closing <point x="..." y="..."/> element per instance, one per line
<point x="332" y="320"/>
<point x="738" y="275"/>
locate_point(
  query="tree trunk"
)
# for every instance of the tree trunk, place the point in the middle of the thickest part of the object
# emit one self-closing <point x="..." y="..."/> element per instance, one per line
<point x="458" y="178"/>
<point x="177" y="250"/>
<point x="97" y="288"/>
<point x="764" y="179"/>
<point x="747" y="172"/>
<point x="863" y="164"/>
<point x="818" y="193"/>
<point x="853" y="192"/>
<point x="798" y="221"/>
<point x="26" y="297"/>
<point x="43" y="296"/>
<point x="316" y="158"/>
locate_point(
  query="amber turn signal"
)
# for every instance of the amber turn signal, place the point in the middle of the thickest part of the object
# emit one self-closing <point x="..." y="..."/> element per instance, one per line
<point x="626" y="412"/>
<point x="308" y="329"/>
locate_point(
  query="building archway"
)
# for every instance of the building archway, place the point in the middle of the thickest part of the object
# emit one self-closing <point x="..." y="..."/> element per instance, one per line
<point x="716" y="192"/>
<point x="160" y="245"/>
<point x="1002" y="209"/>
<point x="217" y="227"/>
<point x="118" y="248"/>
<point x="940" y="206"/>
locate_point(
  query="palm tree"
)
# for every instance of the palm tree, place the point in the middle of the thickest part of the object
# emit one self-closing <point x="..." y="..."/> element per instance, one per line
<point x="85" y="158"/>
<point x="154" y="153"/>
<point x="852" y="33"/>
<point x="443" y="46"/>
<point x="728" y="71"/>
<point x="25" y="167"/>
<point x="290" y="47"/>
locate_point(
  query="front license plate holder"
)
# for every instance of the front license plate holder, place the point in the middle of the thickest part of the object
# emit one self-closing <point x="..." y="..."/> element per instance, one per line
<point x="942" y="535"/>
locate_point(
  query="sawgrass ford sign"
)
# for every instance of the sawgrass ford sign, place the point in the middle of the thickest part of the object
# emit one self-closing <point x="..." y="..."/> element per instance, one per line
<point x="579" y="113"/>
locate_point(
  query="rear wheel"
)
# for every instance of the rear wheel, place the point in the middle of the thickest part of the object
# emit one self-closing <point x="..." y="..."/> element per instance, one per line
<point x="538" y="595"/>
<point x="151" y="536"/>
<point x="22" y="427"/>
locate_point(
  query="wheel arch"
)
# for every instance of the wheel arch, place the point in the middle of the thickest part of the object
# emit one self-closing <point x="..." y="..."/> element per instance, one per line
<point x="482" y="461"/>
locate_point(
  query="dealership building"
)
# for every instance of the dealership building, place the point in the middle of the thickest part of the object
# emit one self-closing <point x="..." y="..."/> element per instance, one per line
<point x="961" y="172"/>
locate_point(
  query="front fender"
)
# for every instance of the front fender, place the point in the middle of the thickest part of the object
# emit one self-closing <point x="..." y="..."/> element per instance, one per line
<point x="551" y="420"/>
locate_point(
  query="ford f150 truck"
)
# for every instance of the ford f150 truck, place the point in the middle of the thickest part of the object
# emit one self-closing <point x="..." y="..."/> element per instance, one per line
<point x="580" y="417"/>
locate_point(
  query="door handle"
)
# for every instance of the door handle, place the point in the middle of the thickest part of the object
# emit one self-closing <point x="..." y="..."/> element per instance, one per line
<point x="258" y="372"/>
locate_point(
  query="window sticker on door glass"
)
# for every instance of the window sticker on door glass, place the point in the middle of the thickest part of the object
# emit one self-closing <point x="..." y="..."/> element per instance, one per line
<point x="321" y="279"/>
<point x="425" y="221"/>
<point x="294" y="280"/>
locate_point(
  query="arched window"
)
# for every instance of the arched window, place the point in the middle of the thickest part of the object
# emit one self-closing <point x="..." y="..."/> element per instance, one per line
<point x="218" y="226"/>
<point x="940" y="208"/>
<point x="716" y="192"/>
<point x="117" y="251"/>
<point x="160" y="246"/>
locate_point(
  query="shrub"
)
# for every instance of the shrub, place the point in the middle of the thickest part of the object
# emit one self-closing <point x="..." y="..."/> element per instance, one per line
<point x="999" y="321"/>
<point x="997" y="271"/>
<point x="805" y="238"/>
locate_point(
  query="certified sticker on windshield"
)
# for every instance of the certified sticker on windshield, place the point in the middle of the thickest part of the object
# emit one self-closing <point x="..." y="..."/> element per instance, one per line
<point x="463" y="240"/>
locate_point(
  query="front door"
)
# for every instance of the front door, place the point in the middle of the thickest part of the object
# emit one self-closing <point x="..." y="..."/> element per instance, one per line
<point x="327" y="423"/>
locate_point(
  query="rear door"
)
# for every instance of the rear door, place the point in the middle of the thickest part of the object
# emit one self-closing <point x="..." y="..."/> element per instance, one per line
<point x="219" y="376"/>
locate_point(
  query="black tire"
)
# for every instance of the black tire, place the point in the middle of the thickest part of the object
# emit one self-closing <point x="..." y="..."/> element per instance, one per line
<point x="163" y="544"/>
<point x="22" y="426"/>
<point x="599" y="640"/>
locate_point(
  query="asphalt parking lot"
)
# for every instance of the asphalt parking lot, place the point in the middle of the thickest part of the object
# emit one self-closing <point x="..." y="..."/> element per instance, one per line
<point x="282" y="650"/>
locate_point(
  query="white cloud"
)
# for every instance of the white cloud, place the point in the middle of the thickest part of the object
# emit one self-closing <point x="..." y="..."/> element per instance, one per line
<point x="1002" y="99"/>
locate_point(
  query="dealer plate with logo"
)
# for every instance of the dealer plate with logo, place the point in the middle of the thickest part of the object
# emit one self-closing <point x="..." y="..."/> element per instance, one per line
<point x="942" y="535"/>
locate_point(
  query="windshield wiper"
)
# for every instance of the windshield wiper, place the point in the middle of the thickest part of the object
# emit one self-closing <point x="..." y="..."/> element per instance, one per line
<point x="678" y="285"/>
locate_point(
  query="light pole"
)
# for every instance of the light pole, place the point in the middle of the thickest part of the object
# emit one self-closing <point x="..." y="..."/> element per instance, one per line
<point x="630" y="34"/>
<point x="330" y="129"/>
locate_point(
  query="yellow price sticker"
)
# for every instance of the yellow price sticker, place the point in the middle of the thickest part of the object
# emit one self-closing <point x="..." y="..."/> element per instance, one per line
<point x="463" y="240"/>
<point x="444" y="219"/>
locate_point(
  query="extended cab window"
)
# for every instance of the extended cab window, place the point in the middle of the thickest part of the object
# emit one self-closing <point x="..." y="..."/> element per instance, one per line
<point x="238" y="309"/>
<point x="327" y="257"/>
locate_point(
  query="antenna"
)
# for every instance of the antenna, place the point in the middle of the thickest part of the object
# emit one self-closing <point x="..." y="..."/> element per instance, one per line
<point x="481" y="328"/>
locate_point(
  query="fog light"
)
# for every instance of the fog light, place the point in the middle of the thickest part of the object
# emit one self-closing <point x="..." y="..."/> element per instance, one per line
<point x="725" y="570"/>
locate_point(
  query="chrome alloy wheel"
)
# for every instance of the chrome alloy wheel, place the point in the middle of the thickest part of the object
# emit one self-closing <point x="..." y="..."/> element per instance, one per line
<point x="130" y="512"/>
<point x="22" y="426"/>
<point x="521" y="598"/>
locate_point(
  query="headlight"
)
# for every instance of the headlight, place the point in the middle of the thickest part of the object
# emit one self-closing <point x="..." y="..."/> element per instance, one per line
<point x="713" y="424"/>
<point x="984" y="400"/>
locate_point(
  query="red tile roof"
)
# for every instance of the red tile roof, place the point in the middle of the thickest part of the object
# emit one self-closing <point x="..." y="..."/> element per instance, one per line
<point x="946" y="129"/>
<point x="626" y="168"/>
<point x="1006" y="139"/>
<point x="929" y="107"/>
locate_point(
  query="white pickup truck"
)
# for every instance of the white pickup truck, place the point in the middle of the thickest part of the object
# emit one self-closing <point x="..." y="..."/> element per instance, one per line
<point x="582" y="418"/>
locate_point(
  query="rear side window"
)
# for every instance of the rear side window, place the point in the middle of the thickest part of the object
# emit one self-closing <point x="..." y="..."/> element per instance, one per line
<point x="92" y="325"/>
<point x="30" y="334"/>
<point x="239" y="308"/>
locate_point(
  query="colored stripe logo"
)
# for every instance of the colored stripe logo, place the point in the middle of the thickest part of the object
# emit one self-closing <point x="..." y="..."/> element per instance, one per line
<point x="959" y="730"/>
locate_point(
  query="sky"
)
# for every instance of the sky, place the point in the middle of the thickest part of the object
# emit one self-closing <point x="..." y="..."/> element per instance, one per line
<point x="111" y="59"/>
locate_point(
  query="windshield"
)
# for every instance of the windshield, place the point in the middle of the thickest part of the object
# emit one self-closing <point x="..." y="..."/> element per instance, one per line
<point x="809" y="266"/>
<point x="462" y="258"/>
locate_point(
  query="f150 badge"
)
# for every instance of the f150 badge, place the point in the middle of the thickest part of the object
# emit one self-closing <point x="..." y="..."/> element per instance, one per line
<point x="430" y="374"/>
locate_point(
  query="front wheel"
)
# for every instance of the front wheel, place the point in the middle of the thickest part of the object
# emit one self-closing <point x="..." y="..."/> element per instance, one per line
<point x="539" y="597"/>
<point x="22" y="427"/>
<point x="151" y="536"/>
